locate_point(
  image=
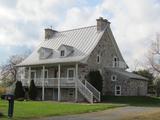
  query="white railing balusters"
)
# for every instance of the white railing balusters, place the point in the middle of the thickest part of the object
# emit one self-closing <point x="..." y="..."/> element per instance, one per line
<point x="95" y="92"/>
<point x="85" y="91"/>
<point x="51" y="82"/>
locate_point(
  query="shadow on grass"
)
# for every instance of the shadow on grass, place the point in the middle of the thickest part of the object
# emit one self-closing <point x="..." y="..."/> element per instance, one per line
<point x="133" y="101"/>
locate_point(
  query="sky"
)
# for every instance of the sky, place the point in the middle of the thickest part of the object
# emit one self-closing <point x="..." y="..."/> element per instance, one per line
<point x="134" y="23"/>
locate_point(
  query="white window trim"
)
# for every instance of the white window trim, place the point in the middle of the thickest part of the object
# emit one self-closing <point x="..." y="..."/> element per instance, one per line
<point x="114" y="61"/>
<point x="99" y="59"/>
<point x="114" y="76"/>
<point x="70" y="79"/>
<point x="34" y="71"/>
<point x="117" y="90"/>
<point x="64" y="53"/>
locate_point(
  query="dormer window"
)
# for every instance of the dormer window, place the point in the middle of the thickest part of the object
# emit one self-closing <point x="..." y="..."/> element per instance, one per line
<point x="45" y="53"/>
<point x="62" y="53"/>
<point x="65" y="50"/>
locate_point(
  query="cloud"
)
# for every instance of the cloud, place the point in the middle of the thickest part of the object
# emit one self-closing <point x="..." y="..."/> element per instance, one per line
<point x="134" y="23"/>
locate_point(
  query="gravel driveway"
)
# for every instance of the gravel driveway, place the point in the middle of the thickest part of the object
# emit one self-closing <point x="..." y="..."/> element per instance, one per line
<point x="112" y="114"/>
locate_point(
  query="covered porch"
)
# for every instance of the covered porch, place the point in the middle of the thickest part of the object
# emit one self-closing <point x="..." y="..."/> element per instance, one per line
<point x="57" y="77"/>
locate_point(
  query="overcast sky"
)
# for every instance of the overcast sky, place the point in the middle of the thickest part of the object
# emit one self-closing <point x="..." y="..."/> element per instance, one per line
<point x="134" y="23"/>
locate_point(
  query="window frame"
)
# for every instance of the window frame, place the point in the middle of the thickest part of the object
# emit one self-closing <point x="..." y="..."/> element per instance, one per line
<point x="70" y="78"/>
<point x="98" y="59"/>
<point x="114" y="76"/>
<point x="62" y="51"/>
<point x="117" y="90"/>
<point x="115" y="61"/>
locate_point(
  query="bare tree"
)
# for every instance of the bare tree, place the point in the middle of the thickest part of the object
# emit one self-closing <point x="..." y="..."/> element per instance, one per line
<point x="9" y="70"/>
<point x="154" y="55"/>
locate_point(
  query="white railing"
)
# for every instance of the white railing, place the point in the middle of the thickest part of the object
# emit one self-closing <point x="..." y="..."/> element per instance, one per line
<point x="119" y="64"/>
<point x="95" y="92"/>
<point x="51" y="82"/>
<point x="85" y="91"/>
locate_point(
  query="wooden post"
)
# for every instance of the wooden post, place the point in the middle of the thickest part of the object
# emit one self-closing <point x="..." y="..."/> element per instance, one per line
<point x="43" y="78"/>
<point x="59" y="78"/>
<point x="76" y="79"/>
<point x="29" y="76"/>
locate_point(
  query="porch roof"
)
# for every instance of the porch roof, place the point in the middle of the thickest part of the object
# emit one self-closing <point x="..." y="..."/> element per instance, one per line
<point x="83" y="40"/>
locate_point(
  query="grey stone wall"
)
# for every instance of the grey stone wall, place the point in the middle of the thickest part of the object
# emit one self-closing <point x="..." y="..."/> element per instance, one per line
<point x="107" y="51"/>
<point x="129" y="87"/>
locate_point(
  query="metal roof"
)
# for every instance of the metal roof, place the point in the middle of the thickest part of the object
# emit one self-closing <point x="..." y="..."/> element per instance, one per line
<point x="128" y="74"/>
<point x="83" y="40"/>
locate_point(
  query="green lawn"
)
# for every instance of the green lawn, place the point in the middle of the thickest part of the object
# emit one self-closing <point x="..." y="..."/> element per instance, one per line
<point x="30" y="109"/>
<point x="133" y="101"/>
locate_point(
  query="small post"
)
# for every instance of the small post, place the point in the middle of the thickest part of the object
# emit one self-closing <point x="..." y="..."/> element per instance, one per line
<point x="29" y="76"/>
<point x="59" y="77"/>
<point x="76" y="84"/>
<point x="43" y="72"/>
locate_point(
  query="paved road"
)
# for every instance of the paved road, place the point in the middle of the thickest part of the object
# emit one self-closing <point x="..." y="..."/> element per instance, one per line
<point x="112" y="114"/>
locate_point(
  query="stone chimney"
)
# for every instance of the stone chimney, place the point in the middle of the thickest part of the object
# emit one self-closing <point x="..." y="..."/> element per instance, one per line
<point x="102" y="23"/>
<point x="49" y="33"/>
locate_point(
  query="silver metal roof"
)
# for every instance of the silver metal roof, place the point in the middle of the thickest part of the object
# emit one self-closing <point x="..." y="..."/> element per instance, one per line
<point x="83" y="41"/>
<point x="127" y="74"/>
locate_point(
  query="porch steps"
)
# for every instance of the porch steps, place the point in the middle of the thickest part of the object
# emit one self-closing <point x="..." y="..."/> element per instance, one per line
<point x="88" y="91"/>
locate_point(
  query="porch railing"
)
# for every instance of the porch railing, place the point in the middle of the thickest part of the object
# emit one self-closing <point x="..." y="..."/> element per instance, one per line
<point x="51" y="82"/>
<point x="95" y="92"/>
<point x="85" y="91"/>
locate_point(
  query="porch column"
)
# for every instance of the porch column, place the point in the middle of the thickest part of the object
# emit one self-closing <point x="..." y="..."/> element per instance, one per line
<point x="76" y="79"/>
<point x="43" y="72"/>
<point x="59" y="78"/>
<point x="29" y="76"/>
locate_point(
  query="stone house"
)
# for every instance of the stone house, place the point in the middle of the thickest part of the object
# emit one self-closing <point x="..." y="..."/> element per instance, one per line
<point x="62" y="60"/>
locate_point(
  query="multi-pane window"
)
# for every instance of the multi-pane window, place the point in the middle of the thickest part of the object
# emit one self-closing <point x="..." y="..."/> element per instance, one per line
<point x="115" y="62"/>
<point x="62" y="53"/>
<point x="117" y="90"/>
<point x="70" y="74"/>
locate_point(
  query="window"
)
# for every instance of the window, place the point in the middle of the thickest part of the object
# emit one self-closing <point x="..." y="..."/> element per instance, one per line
<point x="117" y="90"/>
<point x="70" y="73"/>
<point x="98" y="59"/>
<point x="115" y="61"/>
<point x="62" y="53"/>
<point x="113" y="77"/>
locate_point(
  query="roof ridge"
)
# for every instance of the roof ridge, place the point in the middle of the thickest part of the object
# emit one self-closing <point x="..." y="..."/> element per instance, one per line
<point x="78" y="28"/>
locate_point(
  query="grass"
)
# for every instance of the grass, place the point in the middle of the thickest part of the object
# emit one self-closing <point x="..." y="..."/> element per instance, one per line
<point x="29" y="109"/>
<point x="133" y="101"/>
